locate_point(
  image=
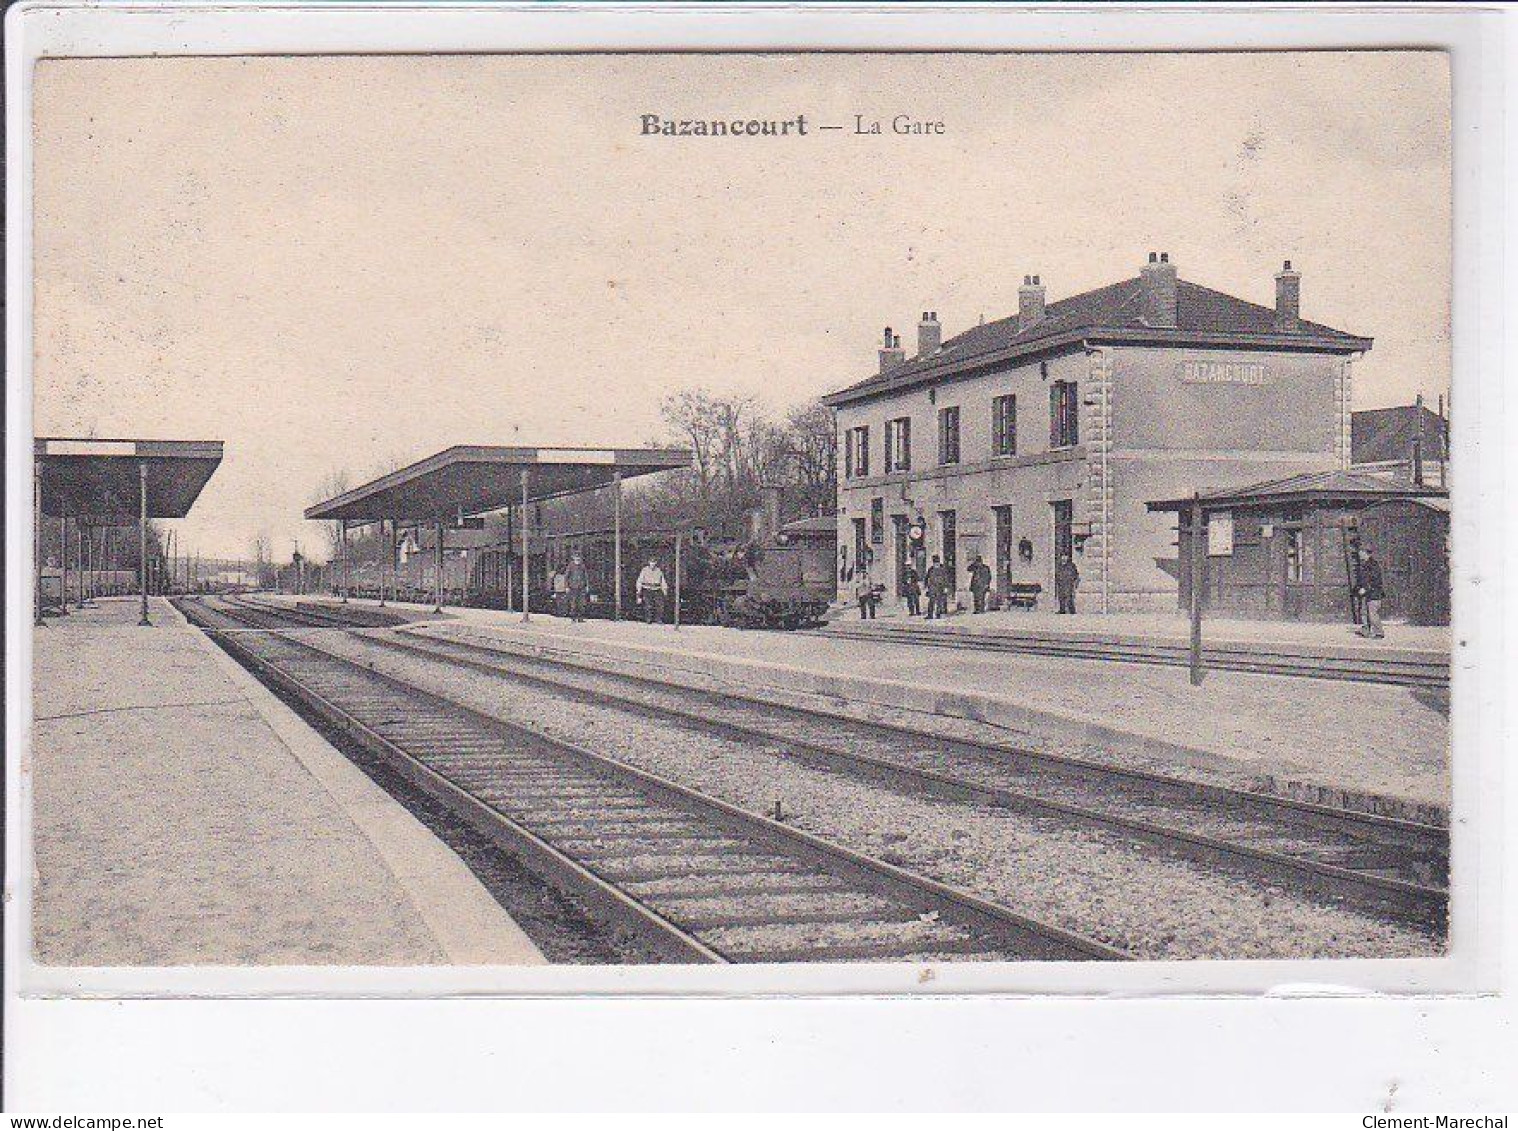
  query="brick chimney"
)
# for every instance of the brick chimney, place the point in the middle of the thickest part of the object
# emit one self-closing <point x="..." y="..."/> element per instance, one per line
<point x="1288" y="298"/>
<point x="1030" y="302"/>
<point x="1159" y="290"/>
<point x="891" y="353"/>
<point x="929" y="334"/>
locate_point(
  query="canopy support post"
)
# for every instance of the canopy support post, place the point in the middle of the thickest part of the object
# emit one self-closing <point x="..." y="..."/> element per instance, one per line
<point x="37" y="556"/>
<point x="526" y="571"/>
<point x="142" y="541"/>
<point x="63" y="557"/>
<point x="384" y="546"/>
<point x="82" y="561"/>
<point x="616" y="543"/>
<point x="1198" y="569"/>
<point x="345" y="560"/>
<point x="437" y="581"/>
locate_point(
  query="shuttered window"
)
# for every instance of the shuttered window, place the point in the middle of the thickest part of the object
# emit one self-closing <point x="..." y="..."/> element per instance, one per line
<point x="948" y="435"/>
<point x="898" y="444"/>
<point x="1064" y="420"/>
<point x="1004" y="426"/>
<point x="856" y="453"/>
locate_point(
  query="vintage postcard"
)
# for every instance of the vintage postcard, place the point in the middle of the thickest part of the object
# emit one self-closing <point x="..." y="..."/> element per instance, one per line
<point x="945" y="516"/>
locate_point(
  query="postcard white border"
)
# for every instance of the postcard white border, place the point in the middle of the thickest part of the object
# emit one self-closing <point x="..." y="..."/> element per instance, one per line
<point x="1474" y="40"/>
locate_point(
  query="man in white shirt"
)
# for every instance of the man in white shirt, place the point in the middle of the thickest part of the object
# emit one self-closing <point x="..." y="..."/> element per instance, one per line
<point x="651" y="591"/>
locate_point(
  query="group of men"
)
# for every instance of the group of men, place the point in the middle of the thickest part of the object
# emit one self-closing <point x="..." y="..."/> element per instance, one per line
<point x="935" y="584"/>
<point x="571" y="588"/>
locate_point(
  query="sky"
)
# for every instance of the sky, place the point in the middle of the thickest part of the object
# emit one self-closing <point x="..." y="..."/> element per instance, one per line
<point x="346" y="264"/>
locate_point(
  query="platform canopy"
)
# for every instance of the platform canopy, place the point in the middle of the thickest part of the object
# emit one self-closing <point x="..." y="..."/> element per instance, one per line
<point x="101" y="479"/>
<point x="1310" y="487"/>
<point x="474" y="480"/>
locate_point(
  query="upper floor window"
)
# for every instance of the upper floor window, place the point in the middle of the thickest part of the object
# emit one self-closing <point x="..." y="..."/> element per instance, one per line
<point x="948" y="435"/>
<point x="1004" y="426"/>
<point x="898" y="444"/>
<point x="1064" y="414"/>
<point x="856" y="452"/>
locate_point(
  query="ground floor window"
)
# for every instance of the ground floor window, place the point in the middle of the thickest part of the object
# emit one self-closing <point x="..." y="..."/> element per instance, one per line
<point x="1293" y="544"/>
<point x="1064" y="530"/>
<point x="1003" y="547"/>
<point x="948" y="525"/>
<point x="861" y="545"/>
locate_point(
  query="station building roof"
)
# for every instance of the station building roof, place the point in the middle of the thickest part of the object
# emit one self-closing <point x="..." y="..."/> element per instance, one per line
<point x="1313" y="486"/>
<point x="99" y="479"/>
<point x="1111" y="314"/>
<point x="476" y="479"/>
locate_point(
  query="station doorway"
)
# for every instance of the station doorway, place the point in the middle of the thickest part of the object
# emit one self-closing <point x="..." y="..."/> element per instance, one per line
<point x="1064" y="530"/>
<point x="903" y="549"/>
<point x="1003" y="547"/>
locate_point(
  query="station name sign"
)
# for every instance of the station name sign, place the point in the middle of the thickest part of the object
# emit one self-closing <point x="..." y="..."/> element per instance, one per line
<point x="1222" y="373"/>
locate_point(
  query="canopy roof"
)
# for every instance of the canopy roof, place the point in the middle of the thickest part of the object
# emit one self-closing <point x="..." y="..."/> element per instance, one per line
<point x="1314" y="486"/>
<point x="473" y="480"/>
<point x="98" y="479"/>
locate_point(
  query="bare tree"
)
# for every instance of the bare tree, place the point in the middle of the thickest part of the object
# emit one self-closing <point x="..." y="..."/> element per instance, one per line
<point x="262" y="549"/>
<point x="331" y="485"/>
<point x="811" y="440"/>
<point x="693" y="416"/>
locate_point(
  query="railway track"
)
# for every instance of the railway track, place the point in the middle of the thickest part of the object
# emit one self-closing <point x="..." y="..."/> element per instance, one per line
<point x="1415" y="670"/>
<point x="1390" y="867"/>
<point x="688" y="877"/>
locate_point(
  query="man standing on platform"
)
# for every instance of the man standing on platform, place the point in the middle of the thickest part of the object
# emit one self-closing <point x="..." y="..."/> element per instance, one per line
<point x="1066" y="580"/>
<point x="651" y="590"/>
<point x="1372" y="591"/>
<point x="980" y="582"/>
<point x="938" y="590"/>
<point x="911" y="588"/>
<point x="577" y="579"/>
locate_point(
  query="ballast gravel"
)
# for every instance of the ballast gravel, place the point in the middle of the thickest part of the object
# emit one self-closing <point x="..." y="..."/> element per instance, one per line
<point x="1088" y="881"/>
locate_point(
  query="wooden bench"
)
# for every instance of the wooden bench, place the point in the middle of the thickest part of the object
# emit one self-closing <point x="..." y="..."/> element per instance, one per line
<point x="1021" y="595"/>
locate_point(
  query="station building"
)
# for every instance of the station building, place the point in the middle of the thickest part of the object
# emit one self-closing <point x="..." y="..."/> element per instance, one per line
<point x="1406" y="443"/>
<point x="1044" y="434"/>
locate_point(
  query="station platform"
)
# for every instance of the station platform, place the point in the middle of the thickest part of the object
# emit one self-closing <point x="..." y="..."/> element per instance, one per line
<point x="1367" y="746"/>
<point x="181" y="815"/>
<point x="1430" y="642"/>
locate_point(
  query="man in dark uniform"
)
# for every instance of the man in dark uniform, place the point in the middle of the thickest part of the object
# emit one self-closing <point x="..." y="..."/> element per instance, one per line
<point x="577" y="580"/>
<point x="911" y="588"/>
<point x="1372" y="591"/>
<point x="980" y="582"/>
<point x="1066" y="579"/>
<point x="938" y="589"/>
